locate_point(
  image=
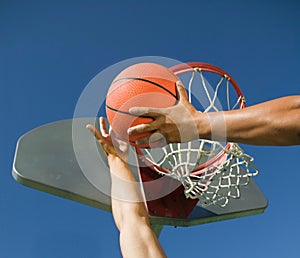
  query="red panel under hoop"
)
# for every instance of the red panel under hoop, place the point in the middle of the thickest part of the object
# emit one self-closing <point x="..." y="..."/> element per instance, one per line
<point x="172" y="205"/>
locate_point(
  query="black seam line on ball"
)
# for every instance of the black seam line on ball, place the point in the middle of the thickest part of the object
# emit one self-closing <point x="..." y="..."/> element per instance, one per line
<point x="124" y="112"/>
<point x="154" y="83"/>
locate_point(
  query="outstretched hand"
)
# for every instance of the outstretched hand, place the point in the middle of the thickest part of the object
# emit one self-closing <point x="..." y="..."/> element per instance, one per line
<point x="110" y="143"/>
<point x="172" y="124"/>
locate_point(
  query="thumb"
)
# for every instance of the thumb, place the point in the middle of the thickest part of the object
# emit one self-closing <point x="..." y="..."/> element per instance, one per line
<point x="183" y="97"/>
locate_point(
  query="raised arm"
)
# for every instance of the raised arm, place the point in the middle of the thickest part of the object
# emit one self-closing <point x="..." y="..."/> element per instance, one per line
<point x="275" y="122"/>
<point x="129" y="211"/>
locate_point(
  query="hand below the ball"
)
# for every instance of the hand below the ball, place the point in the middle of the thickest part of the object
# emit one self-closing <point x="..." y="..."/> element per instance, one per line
<point x="110" y="143"/>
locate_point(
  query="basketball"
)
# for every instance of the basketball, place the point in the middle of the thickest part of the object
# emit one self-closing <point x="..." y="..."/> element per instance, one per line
<point x="139" y="85"/>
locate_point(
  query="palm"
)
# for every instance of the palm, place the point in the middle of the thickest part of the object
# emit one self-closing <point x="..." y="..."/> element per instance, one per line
<point x="109" y="142"/>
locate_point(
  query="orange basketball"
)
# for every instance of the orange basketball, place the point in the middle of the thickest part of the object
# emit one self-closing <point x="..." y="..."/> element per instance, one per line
<point x="139" y="85"/>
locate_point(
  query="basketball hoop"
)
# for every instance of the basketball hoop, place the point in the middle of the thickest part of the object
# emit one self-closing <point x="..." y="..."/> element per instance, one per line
<point x="210" y="171"/>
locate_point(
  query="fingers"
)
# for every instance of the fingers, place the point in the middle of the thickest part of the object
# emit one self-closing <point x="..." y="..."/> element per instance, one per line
<point x="103" y="127"/>
<point x="154" y="140"/>
<point x="145" y="128"/>
<point x="181" y="91"/>
<point x="155" y="113"/>
<point x="102" y="134"/>
<point x="146" y="111"/>
<point x="142" y="128"/>
<point x="94" y="131"/>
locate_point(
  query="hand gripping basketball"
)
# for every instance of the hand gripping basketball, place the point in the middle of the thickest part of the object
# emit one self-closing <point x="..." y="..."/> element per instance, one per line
<point x="139" y="85"/>
<point x="172" y="124"/>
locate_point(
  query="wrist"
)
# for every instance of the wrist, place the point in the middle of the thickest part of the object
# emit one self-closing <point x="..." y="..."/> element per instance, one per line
<point x="114" y="159"/>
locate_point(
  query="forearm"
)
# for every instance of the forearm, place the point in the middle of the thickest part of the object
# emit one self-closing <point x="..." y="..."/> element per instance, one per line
<point x="130" y="214"/>
<point x="275" y="122"/>
<point x="125" y="191"/>
<point x="120" y="168"/>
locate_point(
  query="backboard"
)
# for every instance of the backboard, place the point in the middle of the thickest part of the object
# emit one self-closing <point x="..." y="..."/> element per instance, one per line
<point x="47" y="159"/>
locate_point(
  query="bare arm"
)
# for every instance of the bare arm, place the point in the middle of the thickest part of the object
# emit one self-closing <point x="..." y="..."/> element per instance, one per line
<point x="131" y="217"/>
<point x="275" y="122"/>
<point x="129" y="211"/>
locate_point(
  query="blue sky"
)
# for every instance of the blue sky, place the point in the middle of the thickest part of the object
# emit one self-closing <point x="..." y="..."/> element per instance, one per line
<point x="50" y="50"/>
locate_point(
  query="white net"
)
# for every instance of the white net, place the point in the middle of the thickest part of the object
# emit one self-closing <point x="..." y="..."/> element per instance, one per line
<point x="213" y="182"/>
<point x="211" y="171"/>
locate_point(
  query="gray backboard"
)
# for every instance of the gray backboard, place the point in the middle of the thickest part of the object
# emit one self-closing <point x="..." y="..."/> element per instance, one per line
<point x="45" y="160"/>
